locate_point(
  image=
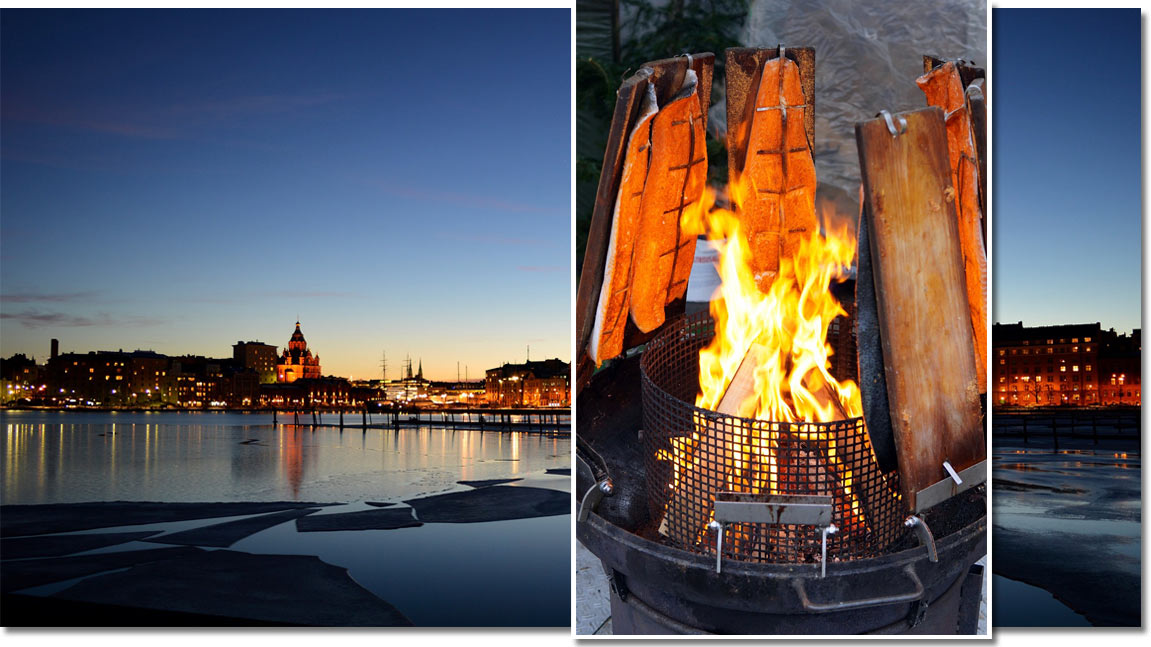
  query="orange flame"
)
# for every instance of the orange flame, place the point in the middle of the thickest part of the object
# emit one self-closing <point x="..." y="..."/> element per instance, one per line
<point x="785" y="328"/>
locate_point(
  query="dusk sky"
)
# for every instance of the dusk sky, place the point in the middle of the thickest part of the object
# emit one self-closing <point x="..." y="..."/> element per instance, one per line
<point x="1066" y="102"/>
<point x="182" y="180"/>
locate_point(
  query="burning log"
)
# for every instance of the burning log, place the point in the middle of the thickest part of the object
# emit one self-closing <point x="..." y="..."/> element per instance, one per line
<point x="920" y="286"/>
<point x="944" y="88"/>
<point x="675" y="180"/>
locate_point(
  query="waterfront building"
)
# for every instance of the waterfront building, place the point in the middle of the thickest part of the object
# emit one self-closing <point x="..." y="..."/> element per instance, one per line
<point x="259" y="357"/>
<point x="1072" y="365"/>
<point x="306" y="394"/>
<point x="92" y="378"/>
<point x="20" y="378"/>
<point x="297" y="362"/>
<point x="149" y="381"/>
<point x="531" y="384"/>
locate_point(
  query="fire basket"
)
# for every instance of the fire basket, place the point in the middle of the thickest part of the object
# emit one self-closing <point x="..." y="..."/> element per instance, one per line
<point x="661" y="586"/>
<point x="817" y="475"/>
<point x="728" y="481"/>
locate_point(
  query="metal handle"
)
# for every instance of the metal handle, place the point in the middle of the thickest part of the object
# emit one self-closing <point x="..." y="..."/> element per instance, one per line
<point x="818" y="607"/>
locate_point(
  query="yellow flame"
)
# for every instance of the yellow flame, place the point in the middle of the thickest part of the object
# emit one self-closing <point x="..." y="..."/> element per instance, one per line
<point x="785" y="329"/>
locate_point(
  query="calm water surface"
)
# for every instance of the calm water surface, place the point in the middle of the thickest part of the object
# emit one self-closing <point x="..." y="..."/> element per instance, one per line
<point x="502" y="573"/>
<point x="57" y="457"/>
<point x="1067" y="520"/>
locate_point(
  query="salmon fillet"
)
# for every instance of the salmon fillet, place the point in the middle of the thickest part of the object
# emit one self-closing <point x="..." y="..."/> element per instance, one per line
<point x="675" y="180"/>
<point x="611" y="313"/>
<point x="776" y="192"/>
<point x="944" y="88"/>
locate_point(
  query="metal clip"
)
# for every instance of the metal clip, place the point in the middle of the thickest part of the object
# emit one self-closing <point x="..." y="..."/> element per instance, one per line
<point x="829" y="530"/>
<point x="891" y="124"/>
<point x="746" y="507"/>
<point x="718" y="528"/>
<point x="951" y="470"/>
<point x="917" y="524"/>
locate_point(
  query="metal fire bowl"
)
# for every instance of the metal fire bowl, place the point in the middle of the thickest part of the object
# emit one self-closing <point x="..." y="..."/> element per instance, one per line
<point x="746" y="597"/>
<point x="856" y="596"/>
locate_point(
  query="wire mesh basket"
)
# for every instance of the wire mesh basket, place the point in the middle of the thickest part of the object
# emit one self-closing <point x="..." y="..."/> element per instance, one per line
<point x="694" y="455"/>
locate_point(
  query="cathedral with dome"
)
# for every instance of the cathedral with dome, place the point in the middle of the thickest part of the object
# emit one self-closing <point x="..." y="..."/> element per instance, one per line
<point x="297" y="361"/>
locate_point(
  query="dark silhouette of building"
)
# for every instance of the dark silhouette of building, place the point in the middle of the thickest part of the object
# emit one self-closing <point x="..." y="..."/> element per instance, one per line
<point x="1071" y="364"/>
<point x="257" y="356"/>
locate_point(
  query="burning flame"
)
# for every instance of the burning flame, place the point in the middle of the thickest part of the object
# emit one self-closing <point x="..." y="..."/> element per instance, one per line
<point x="783" y="332"/>
<point x="785" y="328"/>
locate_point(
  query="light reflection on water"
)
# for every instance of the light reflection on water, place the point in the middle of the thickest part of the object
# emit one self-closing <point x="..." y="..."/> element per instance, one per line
<point x="501" y="573"/>
<point x="60" y="457"/>
<point x="1083" y="506"/>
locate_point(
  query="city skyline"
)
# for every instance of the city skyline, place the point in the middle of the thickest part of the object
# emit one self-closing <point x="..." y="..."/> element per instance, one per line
<point x="396" y="364"/>
<point x="1067" y="185"/>
<point x="357" y="170"/>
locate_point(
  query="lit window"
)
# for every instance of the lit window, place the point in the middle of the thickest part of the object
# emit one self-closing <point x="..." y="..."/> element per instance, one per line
<point x="1074" y="340"/>
<point x="1087" y="339"/>
<point x="1075" y="369"/>
<point x="1001" y="351"/>
<point x="1088" y="368"/>
<point x="1062" y="369"/>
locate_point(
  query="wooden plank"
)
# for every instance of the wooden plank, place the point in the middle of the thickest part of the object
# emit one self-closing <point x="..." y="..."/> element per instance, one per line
<point x="666" y="75"/>
<point x="743" y="67"/>
<point x="921" y="298"/>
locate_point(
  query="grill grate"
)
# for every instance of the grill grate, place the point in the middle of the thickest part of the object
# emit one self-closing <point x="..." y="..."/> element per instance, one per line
<point x="692" y="453"/>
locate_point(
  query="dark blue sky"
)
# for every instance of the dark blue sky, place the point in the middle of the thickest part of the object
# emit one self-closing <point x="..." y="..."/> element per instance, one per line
<point x="1066" y="102"/>
<point x="181" y="180"/>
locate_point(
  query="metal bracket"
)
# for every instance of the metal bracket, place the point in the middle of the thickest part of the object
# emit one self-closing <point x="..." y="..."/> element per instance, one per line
<point x="593" y="496"/>
<point x="917" y="524"/>
<point x="617" y="584"/>
<point x="951" y="485"/>
<point x="916" y="593"/>
<point x="746" y="507"/>
<point x="917" y="614"/>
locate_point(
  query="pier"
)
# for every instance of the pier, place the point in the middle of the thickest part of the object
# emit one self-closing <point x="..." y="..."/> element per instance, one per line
<point x="546" y="421"/>
<point x="1055" y="424"/>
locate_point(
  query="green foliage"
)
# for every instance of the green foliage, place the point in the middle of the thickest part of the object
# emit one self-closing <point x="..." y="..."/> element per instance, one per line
<point x="651" y="33"/>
